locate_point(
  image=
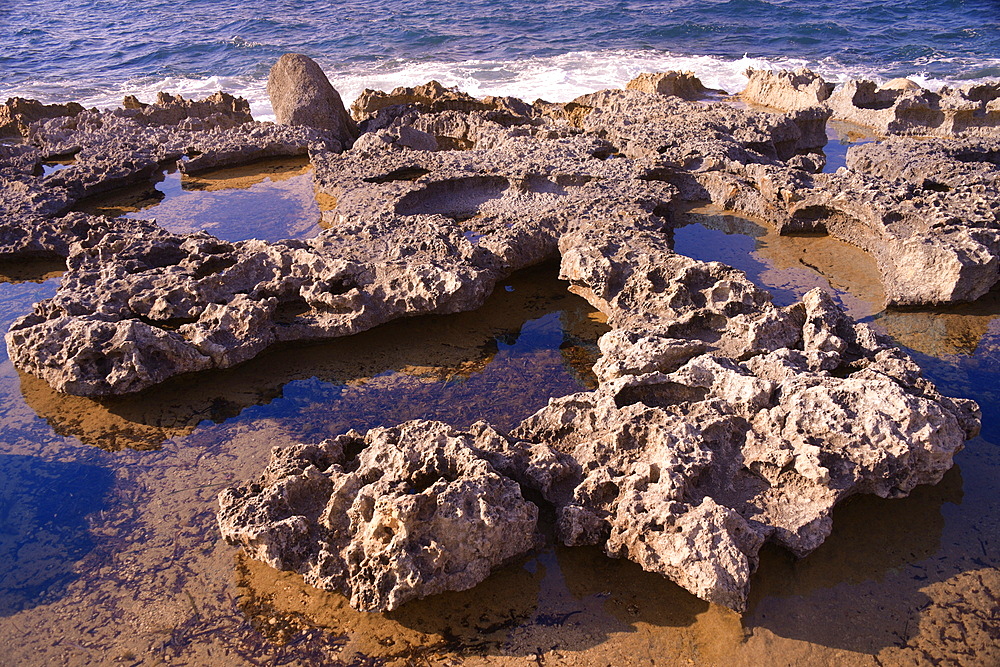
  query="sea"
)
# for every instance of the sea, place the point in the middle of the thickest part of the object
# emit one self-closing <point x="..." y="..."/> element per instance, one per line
<point x="97" y="51"/>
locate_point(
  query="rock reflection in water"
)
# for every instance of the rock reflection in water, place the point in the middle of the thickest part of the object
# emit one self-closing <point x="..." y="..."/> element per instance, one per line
<point x="944" y="331"/>
<point x="268" y="200"/>
<point x="531" y="340"/>
<point x="787" y="266"/>
<point x="18" y="295"/>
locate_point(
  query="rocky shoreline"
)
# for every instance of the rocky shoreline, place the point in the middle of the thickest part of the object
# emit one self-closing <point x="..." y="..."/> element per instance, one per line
<point x="721" y="421"/>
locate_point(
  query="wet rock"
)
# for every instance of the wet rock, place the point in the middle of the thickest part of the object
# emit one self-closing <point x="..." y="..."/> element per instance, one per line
<point x="721" y="421"/>
<point x="679" y="84"/>
<point x="397" y="514"/>
<point x="18" y="113"/>
<point x="302" y="95"/>
<point x="688" y="473"/>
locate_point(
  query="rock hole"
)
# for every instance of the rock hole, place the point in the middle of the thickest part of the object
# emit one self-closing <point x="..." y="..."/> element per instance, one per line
<point x="340" y="286"/>
<point x="811" y="219"/>
<point x="446" y="143"/>
<point x="605" y="152"/>
<point x="660" y="395"/>
<point x="291" y="308"/>
<point x="410" y="173"/>
<point x="169" y="324"/>
<point x="934" y="186"/>
<point x="457" y="198"/>
<point x="163" y="255"/>
<point x="213" y="264"/>
<point x="542" y="185"/>
<point x="352" y="448"/>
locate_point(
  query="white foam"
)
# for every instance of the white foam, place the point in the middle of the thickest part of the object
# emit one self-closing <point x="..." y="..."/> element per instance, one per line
<point x="556" y="78"/>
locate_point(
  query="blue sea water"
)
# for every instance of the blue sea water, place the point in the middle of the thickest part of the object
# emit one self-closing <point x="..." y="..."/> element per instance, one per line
<point x="97" y="51"/>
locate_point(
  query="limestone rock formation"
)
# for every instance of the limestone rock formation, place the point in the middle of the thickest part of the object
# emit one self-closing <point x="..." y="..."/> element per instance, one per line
<point x="397" y="514"/>
<point x="721" y="422"/>
<point x="970" y="110"/>
<point x="925" y="210"/>
<point x="302" y="95"/>
<point x="899" y="107"/>
<point x="679" y="84"/>
<point x="788" y="90"/>
<point x="226" y="110"/>
<point x="431" y="97"/>
<point x="18" y="113"/>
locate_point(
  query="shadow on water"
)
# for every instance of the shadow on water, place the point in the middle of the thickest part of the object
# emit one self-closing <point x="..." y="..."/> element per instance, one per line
<point x="559" y="598"/>
<point x="531" y="340"/>
<point x="43" y="526"/>
<point x="869" y="567"/>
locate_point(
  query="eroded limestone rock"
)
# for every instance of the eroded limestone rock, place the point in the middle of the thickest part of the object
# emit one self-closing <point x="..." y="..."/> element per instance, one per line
<point x="787" y="90"/>
<point x="679" y="84"/>
<point x="18" y="113"/>
<point x="222" y="109"/>
<point x="970" y="110"/>
<point x="397" y="514"/>
<point x="925" y="210"/>
<point x="721" y="421"/>
<point x="899" y="107"/>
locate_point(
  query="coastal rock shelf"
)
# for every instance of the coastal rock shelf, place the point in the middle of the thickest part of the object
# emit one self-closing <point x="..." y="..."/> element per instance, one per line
<point x="720" y="422"/>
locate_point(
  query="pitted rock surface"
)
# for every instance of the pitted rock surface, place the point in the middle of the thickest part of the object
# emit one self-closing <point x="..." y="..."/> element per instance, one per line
<point x="397" y="514"/>
<point x="899" y="107"/>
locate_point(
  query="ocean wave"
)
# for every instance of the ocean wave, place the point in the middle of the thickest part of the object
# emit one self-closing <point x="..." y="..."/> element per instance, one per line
<point x="557" y="78"/>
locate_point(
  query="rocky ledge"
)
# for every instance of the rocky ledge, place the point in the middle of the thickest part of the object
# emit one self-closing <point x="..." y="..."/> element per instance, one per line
<point x="721" y="421"/>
